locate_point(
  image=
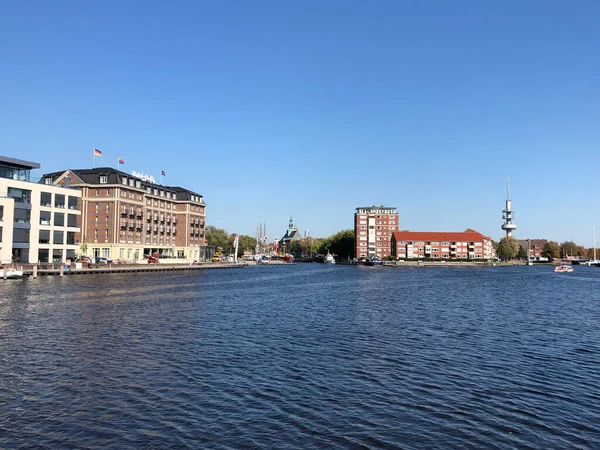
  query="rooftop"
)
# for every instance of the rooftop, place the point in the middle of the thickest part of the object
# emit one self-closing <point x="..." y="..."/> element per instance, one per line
<point x="20" y="163"/>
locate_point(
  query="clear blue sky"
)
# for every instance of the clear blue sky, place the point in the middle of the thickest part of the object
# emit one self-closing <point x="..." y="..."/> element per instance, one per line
<point x="316" y="107"/>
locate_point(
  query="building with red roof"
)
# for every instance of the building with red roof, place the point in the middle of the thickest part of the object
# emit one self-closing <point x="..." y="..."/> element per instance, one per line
<point x="469" y="244"/>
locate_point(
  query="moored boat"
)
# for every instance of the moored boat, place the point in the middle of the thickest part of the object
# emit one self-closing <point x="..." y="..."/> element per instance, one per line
<point x="11" y="273"/>
<point x="329" y="259"/>
<point x="563" y="268"/>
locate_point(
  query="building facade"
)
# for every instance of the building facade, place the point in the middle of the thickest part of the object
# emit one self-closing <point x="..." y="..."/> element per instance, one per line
<point x="469" y="244"/>
<point x="126" y="218"/>
<point x="373" y="228"/>
<point x="533" y="247"/>
<point x="291" y="234"/>
<point x="38" y="223"/>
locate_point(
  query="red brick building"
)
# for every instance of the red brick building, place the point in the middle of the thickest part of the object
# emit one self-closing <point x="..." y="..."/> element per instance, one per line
<point x="125" y="217"/>
<point x="469" y="244"/>
<point x="533" y="247"/>
<point x="373" y="228"/>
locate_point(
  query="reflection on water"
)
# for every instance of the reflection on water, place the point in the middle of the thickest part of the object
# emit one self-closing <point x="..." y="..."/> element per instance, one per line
<point x="303" y="356"/>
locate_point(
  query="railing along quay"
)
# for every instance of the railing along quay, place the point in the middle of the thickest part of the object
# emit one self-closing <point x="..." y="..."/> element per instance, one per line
<point x="134" y="268"/>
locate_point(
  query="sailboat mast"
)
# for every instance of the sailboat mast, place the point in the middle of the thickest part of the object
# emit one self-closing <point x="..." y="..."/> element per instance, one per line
<point x="594" y="243"/>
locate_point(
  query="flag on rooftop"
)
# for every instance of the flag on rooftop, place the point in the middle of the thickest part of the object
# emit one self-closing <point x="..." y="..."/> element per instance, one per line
<point x="97" y="152"/>
<point x="162" y="172"/>
<point x="121" y="161"/>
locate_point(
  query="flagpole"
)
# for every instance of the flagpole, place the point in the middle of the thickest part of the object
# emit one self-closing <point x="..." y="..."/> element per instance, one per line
<point x="94" y="163"/>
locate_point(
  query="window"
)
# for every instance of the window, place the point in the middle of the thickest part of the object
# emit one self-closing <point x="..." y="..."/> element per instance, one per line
<point x="96" y="221"/>
<point x="72" y="202"/>
<point x="59" y="220"/>
<point x="108" y="192"/>
<point x="107" y="207"/>
<point x="44" y="237"/>
<point x="105" y="234"/>
<point x="48" y="180"/>
<point x="70" y="238"/>
<point x="131" y="182"/>
<point x="103" y="179"/>
<point x="22" y="216"/>
<point x="19" y="195"/>
<point x="106" y="220"/>
<point x="46" y="199"/>
<point x="95" y="234"/>
<point x="124" y="181"/>
<point x="58" y="237"/>
<point x="97" y="192"/>
<point x="71" y="220"/>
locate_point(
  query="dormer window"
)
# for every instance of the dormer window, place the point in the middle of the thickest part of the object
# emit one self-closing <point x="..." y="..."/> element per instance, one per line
<point x="48" y="180"/>
<point x="103" y="179"/>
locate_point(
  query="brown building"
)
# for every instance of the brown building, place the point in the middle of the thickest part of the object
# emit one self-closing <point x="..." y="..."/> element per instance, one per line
<point x="533" y="247"/>
<point x="127" y="218"/>
<point x="469" y="244"/>
<point x="373" y="228"/>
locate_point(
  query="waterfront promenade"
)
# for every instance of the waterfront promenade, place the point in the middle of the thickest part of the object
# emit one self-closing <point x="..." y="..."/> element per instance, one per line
<point x="32" y="270"/>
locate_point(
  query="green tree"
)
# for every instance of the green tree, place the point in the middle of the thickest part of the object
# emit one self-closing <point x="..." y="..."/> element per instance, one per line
<point x="342" y="244"/>
<point x="508" y="247"/>
<point x="247" y="243"/>
<point x="570" y="248"/>
<point x="83" y="248"/>
<point x="295" y="248"/>
<point x="217" y="237"/>
<point x="551" y="250"/>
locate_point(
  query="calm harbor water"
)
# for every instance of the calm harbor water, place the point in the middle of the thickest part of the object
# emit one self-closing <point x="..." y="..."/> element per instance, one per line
<point x="303" y="356"/>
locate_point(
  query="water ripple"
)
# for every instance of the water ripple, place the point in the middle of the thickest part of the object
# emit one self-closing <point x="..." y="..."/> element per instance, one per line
<point x="303" y="356"/>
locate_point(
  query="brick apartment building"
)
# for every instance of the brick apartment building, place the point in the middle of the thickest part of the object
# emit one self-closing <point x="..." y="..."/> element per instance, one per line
<point x="533" y="247"/>
<point x="373" y="228"/>
<point x="125" y="217"/>
<point x="469" y="244"/>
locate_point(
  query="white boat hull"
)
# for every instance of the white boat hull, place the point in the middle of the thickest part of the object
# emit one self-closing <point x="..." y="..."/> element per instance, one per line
<point x="10" y="273"/>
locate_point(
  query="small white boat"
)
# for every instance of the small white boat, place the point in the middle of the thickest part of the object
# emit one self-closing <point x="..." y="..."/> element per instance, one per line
<point x="11" y="273"/>
<point x="563" y="268"/>
<point x="329" y="259"/>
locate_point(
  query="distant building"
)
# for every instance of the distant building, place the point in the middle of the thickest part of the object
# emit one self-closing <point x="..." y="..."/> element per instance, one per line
<point x="469" y="244"/>
<point x="533" y="247"/>
<point x="291" y="234"/>
<point x="127" y="217"/>
<point x="373" y="228"/>
<point x="38" y="223"/>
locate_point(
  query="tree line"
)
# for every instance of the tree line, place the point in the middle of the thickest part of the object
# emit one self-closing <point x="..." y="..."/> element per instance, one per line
<point x="509" y="248"/>
<point x="340" y="244"/>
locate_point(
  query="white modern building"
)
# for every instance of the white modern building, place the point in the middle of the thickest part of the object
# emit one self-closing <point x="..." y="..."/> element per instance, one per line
<point x="38" y="223"/>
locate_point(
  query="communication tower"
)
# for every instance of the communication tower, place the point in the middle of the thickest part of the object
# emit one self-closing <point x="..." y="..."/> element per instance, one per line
<point x="507" y="213"/>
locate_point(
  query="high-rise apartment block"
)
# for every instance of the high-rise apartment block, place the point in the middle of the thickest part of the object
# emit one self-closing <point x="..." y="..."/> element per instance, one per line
<point x="373" y="228"/>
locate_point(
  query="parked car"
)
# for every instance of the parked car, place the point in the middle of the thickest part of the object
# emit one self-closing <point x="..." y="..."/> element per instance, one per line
<point x="153" y="258"/>
<point x="103" y="261"/>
